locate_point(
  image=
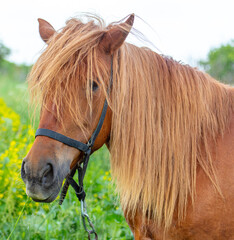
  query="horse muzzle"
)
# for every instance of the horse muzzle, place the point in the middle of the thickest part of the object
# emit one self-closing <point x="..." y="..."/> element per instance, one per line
<point x="43" y="180"/>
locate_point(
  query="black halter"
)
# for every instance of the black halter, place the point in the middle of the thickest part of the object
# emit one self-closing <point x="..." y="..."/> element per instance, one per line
<point x="87" y="150"/>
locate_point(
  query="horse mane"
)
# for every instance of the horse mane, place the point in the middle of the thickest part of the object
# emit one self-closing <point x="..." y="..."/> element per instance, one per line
<point x="165" y="116"/>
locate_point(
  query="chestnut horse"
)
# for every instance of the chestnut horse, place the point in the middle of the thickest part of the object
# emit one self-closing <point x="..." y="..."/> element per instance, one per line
<point x="169" y="129"/>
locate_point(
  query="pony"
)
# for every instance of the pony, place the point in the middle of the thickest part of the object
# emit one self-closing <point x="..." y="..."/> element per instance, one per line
<point x="169" y="129"/>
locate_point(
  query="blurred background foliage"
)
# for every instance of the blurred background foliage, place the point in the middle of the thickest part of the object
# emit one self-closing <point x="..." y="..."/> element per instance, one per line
<point x="4" y="51"/>
<point x="20" y="217"/>
<point x="220" y="63"/>
<point x="9" y="69"/>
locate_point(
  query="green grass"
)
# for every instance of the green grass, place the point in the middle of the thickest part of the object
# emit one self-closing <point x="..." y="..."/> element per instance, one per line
<point x="20" y="217"/>
<point x="15" y="95"/>
<point x="51" y="221"/>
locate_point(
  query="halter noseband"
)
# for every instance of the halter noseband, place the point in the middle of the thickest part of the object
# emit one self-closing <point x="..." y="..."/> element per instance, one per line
<point x="87" y="150"/>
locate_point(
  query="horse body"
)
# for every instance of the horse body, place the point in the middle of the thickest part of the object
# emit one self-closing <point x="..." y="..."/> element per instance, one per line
<point x="211" y="215"/>
<point x="169" y="129"/>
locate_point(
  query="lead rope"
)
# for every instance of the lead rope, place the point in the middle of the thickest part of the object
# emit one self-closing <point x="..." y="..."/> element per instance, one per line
<point x="80" y="193"/>
<point x="85" y="216"/>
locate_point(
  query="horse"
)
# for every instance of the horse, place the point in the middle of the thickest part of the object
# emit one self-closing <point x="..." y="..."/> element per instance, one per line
<point x="169" y="129"/>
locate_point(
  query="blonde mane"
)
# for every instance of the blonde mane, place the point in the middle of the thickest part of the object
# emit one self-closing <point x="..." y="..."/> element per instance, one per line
<point x="165" y="116"/>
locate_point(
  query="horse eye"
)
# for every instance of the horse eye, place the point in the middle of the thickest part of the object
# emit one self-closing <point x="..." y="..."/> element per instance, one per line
<point x="94" y="86"/>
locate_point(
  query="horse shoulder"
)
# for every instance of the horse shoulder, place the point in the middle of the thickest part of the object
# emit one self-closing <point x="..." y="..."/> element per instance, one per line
<point x="212" y="215"/>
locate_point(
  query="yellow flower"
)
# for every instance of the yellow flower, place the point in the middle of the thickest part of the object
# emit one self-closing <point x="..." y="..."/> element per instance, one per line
<point x="21" y="204"/>
<point x="12" y="143"/>
<point x="31" y="132"/>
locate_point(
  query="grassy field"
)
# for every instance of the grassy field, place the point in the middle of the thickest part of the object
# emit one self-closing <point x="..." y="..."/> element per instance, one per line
<point x="20" y="217"/>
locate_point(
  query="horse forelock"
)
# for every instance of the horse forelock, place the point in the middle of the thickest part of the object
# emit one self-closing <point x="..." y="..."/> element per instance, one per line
<point x="165" y="115"/>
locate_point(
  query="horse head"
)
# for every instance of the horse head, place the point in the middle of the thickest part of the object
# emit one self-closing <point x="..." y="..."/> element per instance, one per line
<point x="76" y="83"/>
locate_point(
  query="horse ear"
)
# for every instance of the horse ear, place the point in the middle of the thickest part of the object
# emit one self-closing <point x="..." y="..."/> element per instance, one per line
<point x="45" y="29"/>
<point x="114" y="37"/>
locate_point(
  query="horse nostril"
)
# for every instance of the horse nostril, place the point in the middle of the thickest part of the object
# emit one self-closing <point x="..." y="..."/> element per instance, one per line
<point x="48" y="175"/>
<point x="23" y="171"/>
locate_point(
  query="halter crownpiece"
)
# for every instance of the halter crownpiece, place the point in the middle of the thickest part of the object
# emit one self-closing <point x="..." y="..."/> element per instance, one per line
<point x="87" y="150"/>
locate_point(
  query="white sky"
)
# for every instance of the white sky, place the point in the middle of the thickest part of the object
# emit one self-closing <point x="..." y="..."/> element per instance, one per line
<point x="183" y="29"/>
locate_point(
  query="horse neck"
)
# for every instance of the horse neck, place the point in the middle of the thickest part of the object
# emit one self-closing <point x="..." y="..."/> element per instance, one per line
<point x="163" y="113"/>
